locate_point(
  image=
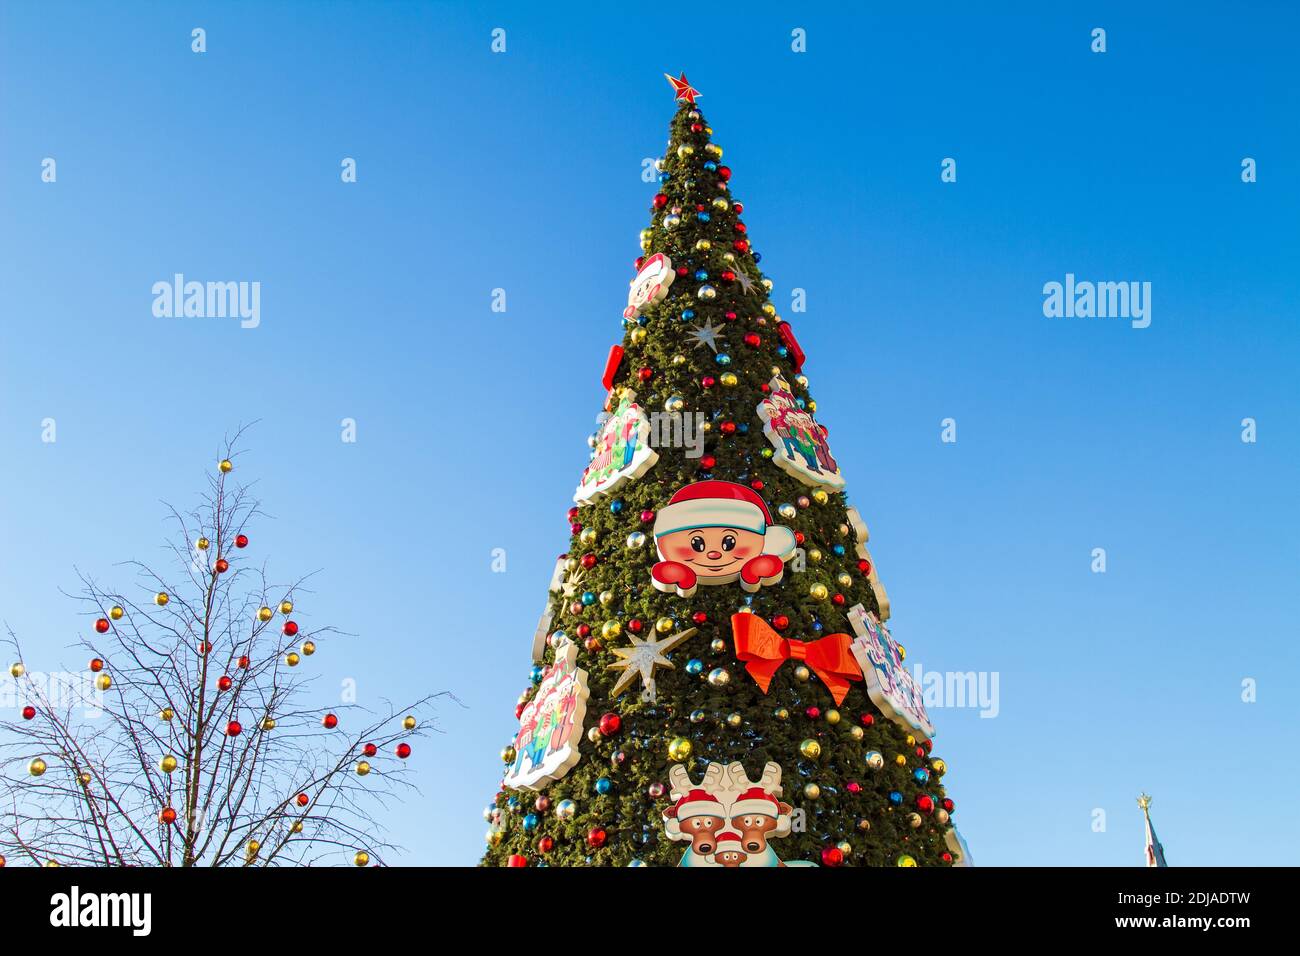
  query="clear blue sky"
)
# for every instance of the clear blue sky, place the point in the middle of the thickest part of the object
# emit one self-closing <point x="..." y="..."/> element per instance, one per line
<point x="522" y="171"/>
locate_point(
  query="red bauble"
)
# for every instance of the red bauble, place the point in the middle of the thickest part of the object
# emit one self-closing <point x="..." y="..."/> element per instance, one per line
<point x="96" y="664"/>
<point x="813" y="712"/>
<point x="920" y="752"/>
<point x="740" y="227"/>
<point x="545" y="844"/>
<point x="243" y="661"/>
<point x="660" y="201"/>
<point x="832" y="856"/>
<point x="724" y="173"/>
<point x="853" y="787"/>
<point x="168" y="815"/>
<point x="697" y="127"/>
<point x="329" y="721"/>
<point x="584" y="630"/>
<point x="864" y="566"/>
<point x="647" y="516"/>
<point x="592" y="644"/>
<point x="241" y="541"/>
<point x="234" y="728"/>
<point x="867" y="720"/>
<point x="753" y="339"/>
<point x="289" y="628"/>
<point x="519" y="708"/>
<point x="370" y="750"/>
<point x="741" y="245"/>
<point x="708" y="381"/>
<point x="101" y="625"/>
<point x="573" y="513"/>
<point x="707" y="462"/>
<point x="838" y="600"/>
<point x="798" y="537"/>
<point x="729" y="316"/>
<point x="204" y="647"/>
<point x="645" y="373"/>
<point x="925" y="803"/>
<point x="596" y="837"/>
<point x="699" y="617"/>
<point x="635" y="625"/>
<point x="589" y="561"/>
<point x="757" y="485"/>
<point x="575" y="528"/>
<point x="224" y="683"/>
<point x="727" y="276"/>
<point x="610" y="724"/>
<point x="29" y="712"/>
<point x="945" y="856"/>
<point x="737" y="207"/>
<point x="682" y="270"/>
<point x="403" y="751"/>
<point x="303" y="799"/>
<point x="780" y="622"/>
<point x="948" y="805"/>
<point x="516" y="860"/>
<point x="728" y="428"/>
<point x="222" y="565"/>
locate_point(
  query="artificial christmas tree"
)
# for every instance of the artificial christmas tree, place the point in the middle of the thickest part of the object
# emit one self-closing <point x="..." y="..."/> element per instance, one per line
<point x="714" y="684"/>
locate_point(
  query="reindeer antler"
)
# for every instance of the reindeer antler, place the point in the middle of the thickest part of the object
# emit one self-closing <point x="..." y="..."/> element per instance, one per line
<point x="771" y="779"/>
<point x="680" y="781"/>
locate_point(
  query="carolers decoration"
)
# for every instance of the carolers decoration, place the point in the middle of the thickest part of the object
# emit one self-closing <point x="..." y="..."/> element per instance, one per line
<point x="727" y="818"/>
<point x="890" y="685"/>
<point x="762" y="650"/>
<point x="799" y="442"/>
<point x="622" y="451"/>
<point x="715" y="532"/>
<point x="550" y="725"/>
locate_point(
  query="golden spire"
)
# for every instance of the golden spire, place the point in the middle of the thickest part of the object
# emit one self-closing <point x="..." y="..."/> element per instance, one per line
<point x="1144" y="801"/>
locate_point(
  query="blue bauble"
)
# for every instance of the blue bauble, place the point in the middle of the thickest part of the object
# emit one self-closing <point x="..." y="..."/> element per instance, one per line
<point x="722" y="358"/>
<point x="694" y="666"/>
<point x="688" y="314"/>
<point x="895" y="798"/>
<point x="710" y="165"/>
<point x="702" y="216"/>
<point x="604" y="785"/>
<point x="512" y="802"/>
<point x="921" y="775"/>
<point x="616" y="506"/>
<point x="664" y="177"/>
<point x="800" y="402"/>
<point x="782" y="351"/>
<point x="701" y="274"/>
<point x="757" y="257"/>
<point x="535" y="675"/>
<point x="742" y="428"/>
<point x="588" y="598"/>
<point x="530" y="821"/>
<point x="839" y="550"/>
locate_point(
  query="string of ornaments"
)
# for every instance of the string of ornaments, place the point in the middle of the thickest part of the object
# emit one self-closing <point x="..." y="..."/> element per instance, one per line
<point x="709" y="533"/>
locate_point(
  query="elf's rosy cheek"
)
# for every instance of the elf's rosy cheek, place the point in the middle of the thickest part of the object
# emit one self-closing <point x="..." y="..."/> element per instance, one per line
<point x="682" y="552"/>
<point x="744" y="551"/>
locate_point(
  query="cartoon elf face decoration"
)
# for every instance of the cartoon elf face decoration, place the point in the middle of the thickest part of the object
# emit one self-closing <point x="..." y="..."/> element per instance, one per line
<point x="715" y="532"/>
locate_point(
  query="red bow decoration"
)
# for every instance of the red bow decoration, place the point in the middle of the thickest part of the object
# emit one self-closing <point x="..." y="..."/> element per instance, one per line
<point x="763" y="651"/>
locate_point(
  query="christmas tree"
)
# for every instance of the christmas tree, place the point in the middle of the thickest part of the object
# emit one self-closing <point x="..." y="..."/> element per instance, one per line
<point x="714" y="683"/>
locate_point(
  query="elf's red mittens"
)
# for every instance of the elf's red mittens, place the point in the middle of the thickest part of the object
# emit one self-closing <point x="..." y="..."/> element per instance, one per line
<point x="764" y="569"/>
<point x="673" y="576"/>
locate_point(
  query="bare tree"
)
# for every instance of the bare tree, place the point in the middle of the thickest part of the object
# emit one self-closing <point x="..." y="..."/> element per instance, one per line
<point x="189" y="739"/>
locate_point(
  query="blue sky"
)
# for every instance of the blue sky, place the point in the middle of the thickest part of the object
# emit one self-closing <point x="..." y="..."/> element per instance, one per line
<point x="522" y="171"/>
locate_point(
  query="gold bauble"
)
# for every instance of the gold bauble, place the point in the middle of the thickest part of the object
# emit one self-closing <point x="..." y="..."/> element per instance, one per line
<point x="832" y="717"/>
<point x="914" y="821"/>
<point x="942" y="816"/>
<point x="268" y="723"/>
<point x="167" y="764"/>
<point x="308" y="648"/>
<point x="729" y="379"/>
<point x="166" y="713"/>
<point x="571" y="565"/>
<point x="664" y="625"/>
<point x="911" y="741"/>
<point x="815" y="556"/>
<point x="938" y="766"/>
<point x="2" y="859"/>
<point x="856" y="732"/>
<point x="253" y="848"/>
<point x="638" y="336"/>
<point x="906" y="860"/>
<point x="611" y="629"/>
<point x="37" y="767"/>
<point x="820" y="496"/>
<point x="17" y="670"/>
<point x="679" y="748"/>
<point x="84" y="778"/>
<point x="844" y="581"/>
<point x="51" y="864"/>
<point x="818" y="592"/>
<point x="225" y="465"/>
<point x="606" y="598"/>
<point x="900" y="760"/>
<point x="103" y="682"/>
<point x="810" y="748"/>
<point x="734" y="720"/>
<point x="845" y="847"/>
<point x="594" y="735"/>
<point x="292" y="659"/>
<point x="588" y="536"/>
<point x="802" y="673"/>
<point x="811" y="791"/>
<point x="864" y="824"/>
<point x="781" y="714"/>
<point x="408" y="722"/>
<point x="902" y="652"/>
<point x="116" y="612"/>
<point x="812" y="406"/>
<point x="202" y="544"/>
<point x="494" y="837"/>
<point x="362" y="858"/>
<point x="264" y="614"/>
<point x="679" y="359"/>
<point x="363" y="768"/>
<point x="717" y="645"/>
<point x="703" y="245"/>
<point x="161" y="599"/>
<point x="769" y="308"/>
<point x="286" y="607"/>
<point x="508" y="755"/>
